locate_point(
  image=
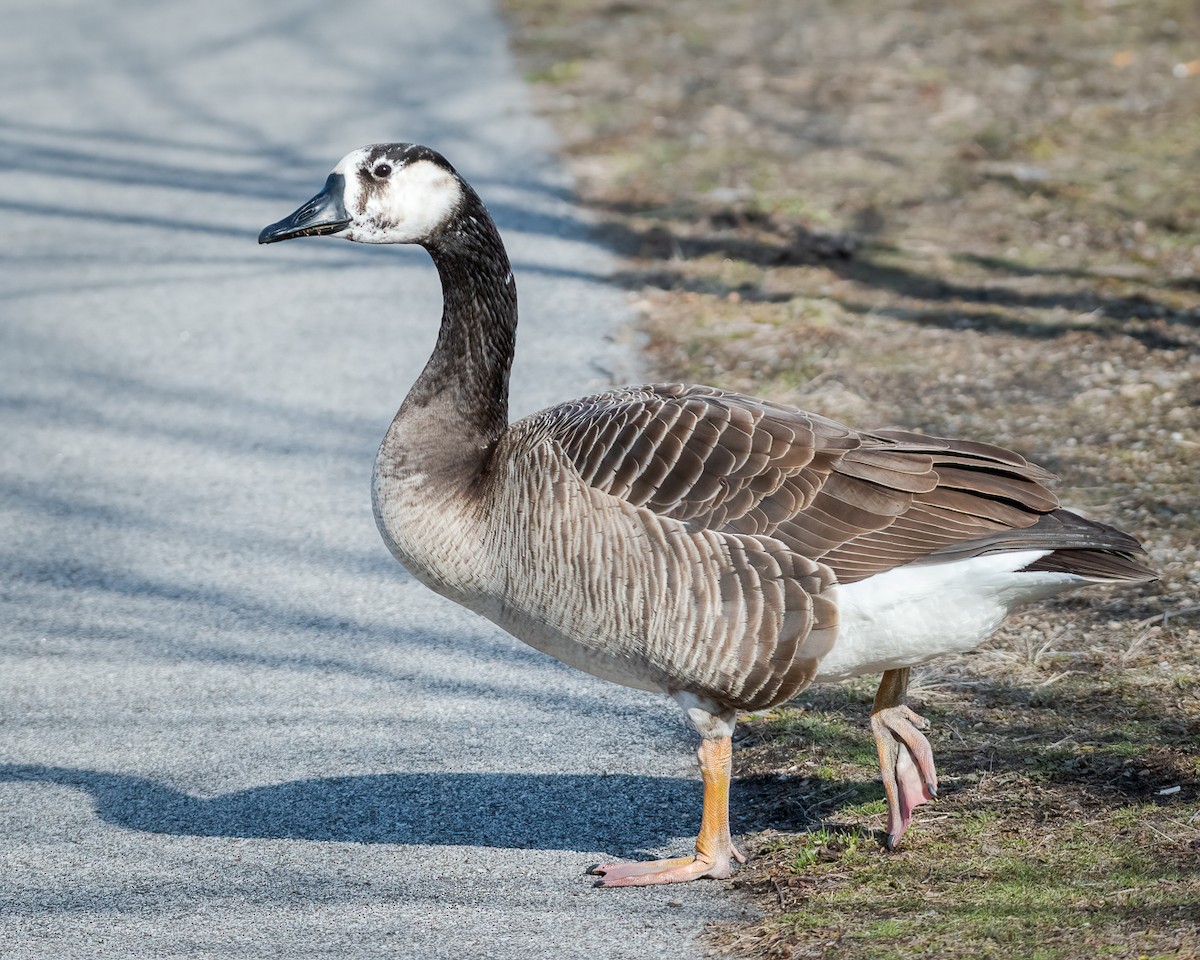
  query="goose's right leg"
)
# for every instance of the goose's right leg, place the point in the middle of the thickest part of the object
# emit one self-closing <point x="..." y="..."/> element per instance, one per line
<point x="905" y="757"/>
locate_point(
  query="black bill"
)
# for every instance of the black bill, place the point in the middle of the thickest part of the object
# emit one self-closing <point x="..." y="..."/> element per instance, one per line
<point x="323" y="214"/>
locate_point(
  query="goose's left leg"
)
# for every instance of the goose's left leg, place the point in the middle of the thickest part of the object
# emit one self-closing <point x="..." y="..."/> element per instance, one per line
<point x="905" y="757"/>
<point x="715" y="848"/>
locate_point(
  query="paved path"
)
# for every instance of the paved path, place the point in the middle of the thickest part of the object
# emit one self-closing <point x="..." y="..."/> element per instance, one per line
<point x="230" y="725"/>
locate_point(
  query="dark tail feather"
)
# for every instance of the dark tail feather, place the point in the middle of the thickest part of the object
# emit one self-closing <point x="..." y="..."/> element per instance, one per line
<point x="1101" y="565"/>
<point x="1080" y="546"/>
<point x="1094" y="550"/>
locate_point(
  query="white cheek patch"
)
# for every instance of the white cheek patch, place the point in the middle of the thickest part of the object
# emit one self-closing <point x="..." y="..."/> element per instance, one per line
<point x="418" y="200"/>
<point x="407" y="208"/>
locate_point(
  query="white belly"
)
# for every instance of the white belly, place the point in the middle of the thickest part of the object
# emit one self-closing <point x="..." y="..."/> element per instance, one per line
<point x="913" y="614"/>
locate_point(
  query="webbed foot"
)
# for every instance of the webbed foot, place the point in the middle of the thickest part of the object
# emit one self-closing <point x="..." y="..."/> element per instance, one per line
<point x="905" y="757"/>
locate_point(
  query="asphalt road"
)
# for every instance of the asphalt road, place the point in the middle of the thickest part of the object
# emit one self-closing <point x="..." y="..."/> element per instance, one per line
<point x="230" y="724"/>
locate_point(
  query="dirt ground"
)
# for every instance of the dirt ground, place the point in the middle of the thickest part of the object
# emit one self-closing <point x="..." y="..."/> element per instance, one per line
<point x="972" y="219"/>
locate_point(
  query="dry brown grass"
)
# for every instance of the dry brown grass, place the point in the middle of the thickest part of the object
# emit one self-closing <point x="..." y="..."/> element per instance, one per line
<point x="973" y="219"/>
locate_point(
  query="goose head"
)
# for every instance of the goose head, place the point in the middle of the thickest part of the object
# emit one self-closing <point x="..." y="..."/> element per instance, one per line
<point x="382" y="193"/>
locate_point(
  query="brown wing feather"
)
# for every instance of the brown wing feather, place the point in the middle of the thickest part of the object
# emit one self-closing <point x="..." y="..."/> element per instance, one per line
<point x="859" y="502"/>
<point x="693" y="453"/>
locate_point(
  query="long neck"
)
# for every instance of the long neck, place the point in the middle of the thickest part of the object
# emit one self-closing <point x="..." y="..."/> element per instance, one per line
<point x="465" y="382"/>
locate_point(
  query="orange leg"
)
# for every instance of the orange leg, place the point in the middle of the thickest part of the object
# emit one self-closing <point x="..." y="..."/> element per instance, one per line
<point x="905" y="757"/>
<point x="714" y="846"/>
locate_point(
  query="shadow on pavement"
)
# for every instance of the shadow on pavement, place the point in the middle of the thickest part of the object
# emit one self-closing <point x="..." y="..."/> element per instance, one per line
<point x="514" y="811"/>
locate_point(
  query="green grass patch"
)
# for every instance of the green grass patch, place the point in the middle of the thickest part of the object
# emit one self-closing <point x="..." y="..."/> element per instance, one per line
<point x="1016" y="895"/>
<point x="1067" y="851"/>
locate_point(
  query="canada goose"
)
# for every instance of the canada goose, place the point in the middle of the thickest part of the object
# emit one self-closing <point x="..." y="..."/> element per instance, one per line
<point x="725" y="550"/>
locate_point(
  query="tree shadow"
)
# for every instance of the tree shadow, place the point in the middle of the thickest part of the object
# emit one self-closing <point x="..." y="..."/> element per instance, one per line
<point x="112" y="170"/>
<point x="949" y="304"/>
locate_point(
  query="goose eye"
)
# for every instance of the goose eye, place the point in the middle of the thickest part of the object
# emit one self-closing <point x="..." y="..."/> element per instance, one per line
<point x="383" y="170"/>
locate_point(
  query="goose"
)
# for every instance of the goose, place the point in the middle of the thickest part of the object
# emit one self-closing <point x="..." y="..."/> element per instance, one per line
<point x="722" y="549"/>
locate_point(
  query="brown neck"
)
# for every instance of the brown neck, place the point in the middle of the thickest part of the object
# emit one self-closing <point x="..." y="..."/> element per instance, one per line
<point x="465" y="382"/>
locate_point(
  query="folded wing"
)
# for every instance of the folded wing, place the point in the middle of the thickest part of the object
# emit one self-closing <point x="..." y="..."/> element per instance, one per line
<point x="858" y="502"/>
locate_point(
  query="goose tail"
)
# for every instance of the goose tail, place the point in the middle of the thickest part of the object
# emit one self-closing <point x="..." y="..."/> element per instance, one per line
<point x="1094" y="551"/>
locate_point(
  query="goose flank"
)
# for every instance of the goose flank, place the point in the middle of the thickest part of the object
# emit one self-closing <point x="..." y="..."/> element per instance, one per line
<point x="721" y="549"/>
